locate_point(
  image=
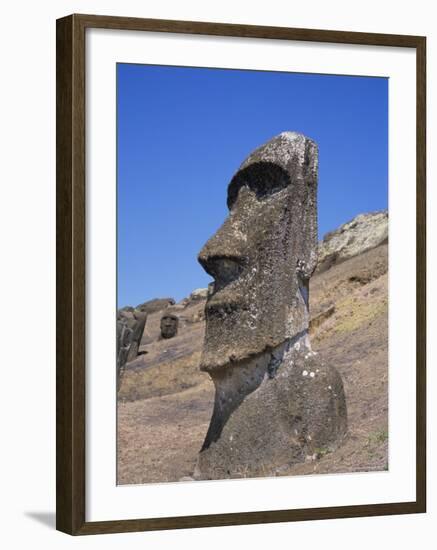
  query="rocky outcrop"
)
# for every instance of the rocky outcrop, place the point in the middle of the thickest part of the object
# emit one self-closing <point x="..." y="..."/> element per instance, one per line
<point x="157" y="304"/>
<point x="364" y="232"/>
<point x="196" y="296"/>
<point x="199" y="294"/>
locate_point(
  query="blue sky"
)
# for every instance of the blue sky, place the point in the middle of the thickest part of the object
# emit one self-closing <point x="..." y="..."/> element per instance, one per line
<point x="183" y="132"/>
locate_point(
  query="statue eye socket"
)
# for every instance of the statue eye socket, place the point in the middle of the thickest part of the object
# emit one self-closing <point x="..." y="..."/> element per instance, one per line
<point x="264" y="178"/>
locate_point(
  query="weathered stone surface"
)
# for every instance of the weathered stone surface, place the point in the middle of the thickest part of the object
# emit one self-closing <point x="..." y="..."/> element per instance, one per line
<point x="137" y="334"/>
<point x="199" y="294"/>
<point x="126" y="313"/>
<point x="130" y="328"/>
<point x="274" y="400"/>
<point x="196" y="296"/>
<point x="169" y="325"/>
<point x="364" y="232"/>
<point x="128" y="309"/>
<point x="264" y="253"/>
<point x="124" y="334"/>
<point x="157" y="304"/>
<point x="274" y="420"/>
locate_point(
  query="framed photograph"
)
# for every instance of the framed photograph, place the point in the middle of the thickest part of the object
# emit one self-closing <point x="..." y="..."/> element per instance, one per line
<point x="240" y="274"/>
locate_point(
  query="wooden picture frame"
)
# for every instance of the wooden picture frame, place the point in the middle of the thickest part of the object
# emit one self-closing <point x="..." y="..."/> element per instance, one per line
<point x="71" y="284"/>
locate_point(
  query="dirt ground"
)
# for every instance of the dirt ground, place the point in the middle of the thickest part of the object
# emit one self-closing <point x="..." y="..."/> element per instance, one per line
<point x="165" y="402"/>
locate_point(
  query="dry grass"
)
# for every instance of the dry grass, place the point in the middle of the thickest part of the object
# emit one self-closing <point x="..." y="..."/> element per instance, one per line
<point x="158" y="439"/>
<point x="162" y="379"/>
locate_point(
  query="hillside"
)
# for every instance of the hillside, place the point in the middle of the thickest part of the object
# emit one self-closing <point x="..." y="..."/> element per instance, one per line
<point x="165" y="402"/>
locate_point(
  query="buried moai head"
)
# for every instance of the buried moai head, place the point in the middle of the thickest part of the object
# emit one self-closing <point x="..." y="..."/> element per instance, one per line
<point x="263" y="255"/>
<point x="169" y="325"/>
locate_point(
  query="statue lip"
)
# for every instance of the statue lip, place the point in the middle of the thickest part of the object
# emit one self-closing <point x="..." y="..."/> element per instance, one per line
<point x="225" y="269"/>
<point x="227" y="294"/>
<point x="221" y="300"/>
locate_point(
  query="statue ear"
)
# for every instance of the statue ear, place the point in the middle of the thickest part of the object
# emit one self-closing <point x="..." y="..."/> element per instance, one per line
<point x="303" y="208"/>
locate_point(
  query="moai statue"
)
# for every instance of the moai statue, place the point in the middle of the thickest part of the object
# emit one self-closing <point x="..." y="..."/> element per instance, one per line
<point x="130" y="328"/>
<point x="276" y="402"/>
<point x="137" y="334"/>
<point x="169" y="325"/>
<point x="125" y="322"/>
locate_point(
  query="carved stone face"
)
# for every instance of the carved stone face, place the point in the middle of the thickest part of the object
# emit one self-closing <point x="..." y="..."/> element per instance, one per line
<point x="262" y="256"/>
<point x="169" y="326"/>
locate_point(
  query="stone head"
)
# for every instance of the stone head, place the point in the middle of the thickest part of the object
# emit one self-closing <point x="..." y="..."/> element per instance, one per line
<point x="263" y="255"/>
<point x="169" y="325"/>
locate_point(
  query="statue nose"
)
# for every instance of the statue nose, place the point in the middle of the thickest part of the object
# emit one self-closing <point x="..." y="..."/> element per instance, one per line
<point x="223" y="269"/>
<point x="223" y="256"/>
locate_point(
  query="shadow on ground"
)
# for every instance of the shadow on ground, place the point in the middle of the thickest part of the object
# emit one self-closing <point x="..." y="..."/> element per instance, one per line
<point x="45" y="518"/>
